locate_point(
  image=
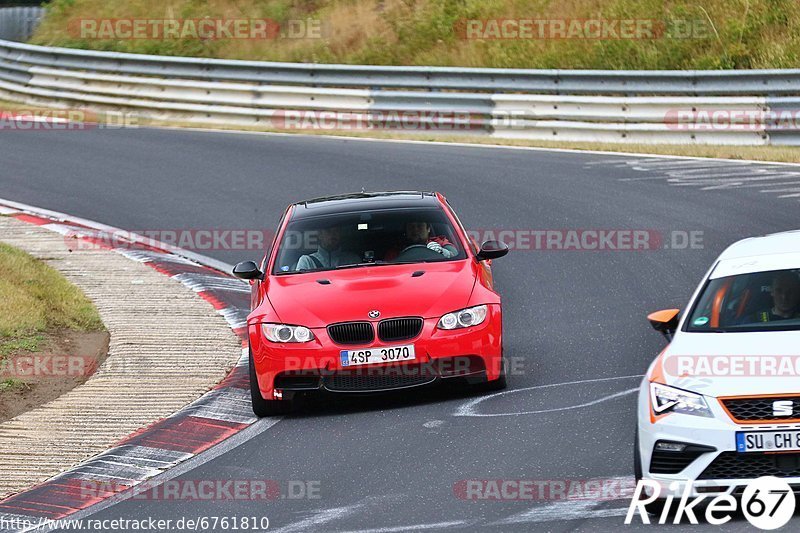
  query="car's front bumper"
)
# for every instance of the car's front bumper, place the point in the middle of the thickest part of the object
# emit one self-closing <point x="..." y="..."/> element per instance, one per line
<point x="716" y="471"/>
<point x="474" y="352"/>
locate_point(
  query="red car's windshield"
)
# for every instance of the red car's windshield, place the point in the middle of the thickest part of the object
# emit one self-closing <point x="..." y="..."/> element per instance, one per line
<point x="349" y="240"/>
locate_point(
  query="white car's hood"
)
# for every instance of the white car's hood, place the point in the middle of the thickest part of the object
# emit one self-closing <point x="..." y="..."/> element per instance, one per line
<point x="732" y="364"/>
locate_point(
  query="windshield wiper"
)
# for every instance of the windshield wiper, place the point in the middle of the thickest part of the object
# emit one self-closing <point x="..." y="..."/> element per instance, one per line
<point x="301" y="271"/>
<point x="367" y="263"/>
<point x="419" y="261"/>
<point x="387" y="263"/>
<point x="379" y="262"/>
<point x="325" y="269"/>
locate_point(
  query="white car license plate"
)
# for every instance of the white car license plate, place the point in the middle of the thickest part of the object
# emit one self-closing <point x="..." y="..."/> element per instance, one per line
<point x="767" y="441"/>
<point x="373" y="356"/>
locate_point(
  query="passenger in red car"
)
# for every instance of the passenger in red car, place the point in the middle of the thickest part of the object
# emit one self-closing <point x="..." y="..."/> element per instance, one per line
<point x="329" y="254"/>
<point x="420" y="234"/>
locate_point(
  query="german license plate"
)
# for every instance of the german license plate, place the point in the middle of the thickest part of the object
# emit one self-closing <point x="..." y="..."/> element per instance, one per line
<point x="767" y="441"/>
<point x="373" y="356"/>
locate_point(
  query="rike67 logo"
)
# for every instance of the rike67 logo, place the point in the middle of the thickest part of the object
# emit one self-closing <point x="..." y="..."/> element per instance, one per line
<point x="767" y="503"/>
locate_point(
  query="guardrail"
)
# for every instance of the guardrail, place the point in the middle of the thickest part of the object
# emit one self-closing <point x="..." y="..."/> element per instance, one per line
<point x="18" y="23"/>
<point x="718" y="107"/>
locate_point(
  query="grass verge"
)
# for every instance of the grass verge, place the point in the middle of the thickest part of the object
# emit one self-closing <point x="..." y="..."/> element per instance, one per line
<point x="35" y="300"/>
<point x="679" y="34"/>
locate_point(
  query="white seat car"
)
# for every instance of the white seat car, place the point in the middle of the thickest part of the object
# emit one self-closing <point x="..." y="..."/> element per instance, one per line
<point x="720" y="406"/>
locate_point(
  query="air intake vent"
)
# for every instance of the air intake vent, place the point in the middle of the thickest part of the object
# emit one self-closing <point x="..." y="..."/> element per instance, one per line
<point x="674" y="462"/>
<point x="399" y="329"/>
<point x="753" y="410"/>
<point x="732" y="465"/>
<point x="351" y="333"/>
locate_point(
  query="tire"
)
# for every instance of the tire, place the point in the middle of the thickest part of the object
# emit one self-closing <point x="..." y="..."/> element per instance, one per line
<point x="262" y="407"/>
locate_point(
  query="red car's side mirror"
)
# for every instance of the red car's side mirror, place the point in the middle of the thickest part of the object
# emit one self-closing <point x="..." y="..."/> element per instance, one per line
<point x="247" y="270"/>
<point x="492" y="250"/>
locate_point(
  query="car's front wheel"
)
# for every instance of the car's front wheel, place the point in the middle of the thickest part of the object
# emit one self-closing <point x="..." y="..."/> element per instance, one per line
<point x="262" y="407"/>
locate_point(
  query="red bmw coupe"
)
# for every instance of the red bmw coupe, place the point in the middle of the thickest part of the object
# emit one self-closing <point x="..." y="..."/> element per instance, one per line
<point x="371" y="292"/>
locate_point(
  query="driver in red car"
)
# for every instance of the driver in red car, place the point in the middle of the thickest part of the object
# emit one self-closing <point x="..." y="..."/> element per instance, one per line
<point x="421" y="234"/>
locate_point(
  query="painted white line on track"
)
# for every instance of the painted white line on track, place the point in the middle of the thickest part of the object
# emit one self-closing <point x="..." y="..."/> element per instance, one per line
<point x="648" y="164"/>
<point x="716" y="175"/>
<point x="700" y="168"/>
<point x="554" y="410"/>
<point x="751" y="183"/>
<point x="769" y="188"/>
<point x="756" y="173"/>
<point x="468" y="409"/>
<point x="724" y="171"/>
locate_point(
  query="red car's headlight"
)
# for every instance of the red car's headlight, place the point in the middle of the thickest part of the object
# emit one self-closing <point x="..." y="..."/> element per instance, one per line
<point x="464" y="318"/>
<point x="286" y="333"/>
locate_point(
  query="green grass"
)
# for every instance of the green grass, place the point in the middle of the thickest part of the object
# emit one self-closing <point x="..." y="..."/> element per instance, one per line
<point x="9" y="385"/>
<point x="36" y="300"/>
<point x="21" y="342"/>
<point x="727" y="33"/>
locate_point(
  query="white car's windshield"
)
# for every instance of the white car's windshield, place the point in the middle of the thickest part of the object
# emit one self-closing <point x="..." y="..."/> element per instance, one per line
<point x="749" y="302"/>
<point x="367" y="238"/>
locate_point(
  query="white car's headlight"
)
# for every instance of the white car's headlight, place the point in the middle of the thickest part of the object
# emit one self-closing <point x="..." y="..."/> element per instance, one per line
<point x="666" y="399"/>
<point x="471" y="316"/>
<point x="286" y="333"/>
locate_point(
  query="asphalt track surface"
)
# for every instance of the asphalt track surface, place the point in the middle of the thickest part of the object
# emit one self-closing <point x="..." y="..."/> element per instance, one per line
<point x="577" y="318"/>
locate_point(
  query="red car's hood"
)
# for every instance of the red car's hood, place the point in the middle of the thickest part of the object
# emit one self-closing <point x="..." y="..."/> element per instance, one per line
<point x="352" y="293"/>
